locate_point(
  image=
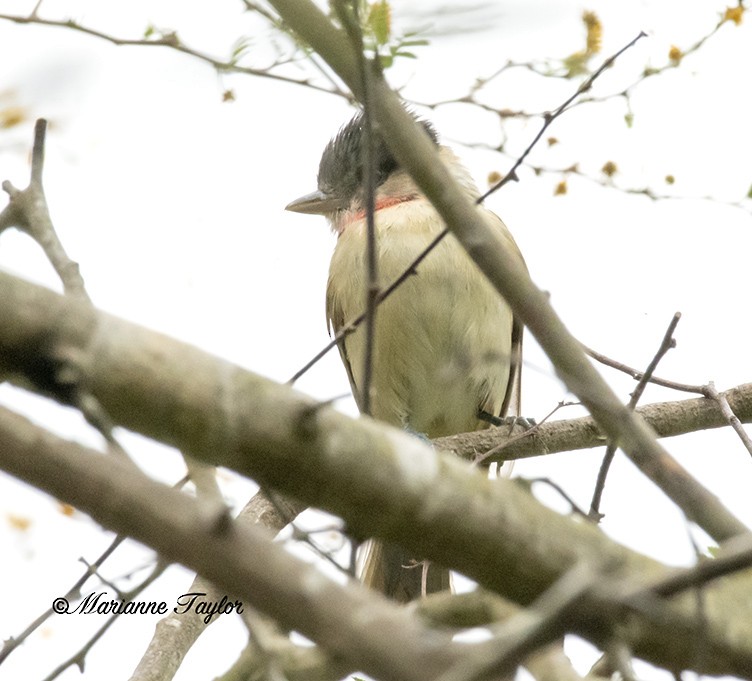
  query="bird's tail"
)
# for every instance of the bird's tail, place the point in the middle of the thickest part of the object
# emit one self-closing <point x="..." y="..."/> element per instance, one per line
<point x="392" y="571"/>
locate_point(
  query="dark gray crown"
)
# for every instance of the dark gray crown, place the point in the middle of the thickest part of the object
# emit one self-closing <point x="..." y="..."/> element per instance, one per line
<point x="341" y="171"/>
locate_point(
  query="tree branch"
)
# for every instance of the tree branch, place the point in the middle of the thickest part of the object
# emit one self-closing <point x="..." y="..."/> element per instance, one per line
<point x="177" y="633"/>
<point x="667" y="343"/>
<point x="27" y="210"/>
<point x="667" y="419"/>
<point x="431" y="505"/>
<point x="351" y="622"/>
<point x="172" y="41"/>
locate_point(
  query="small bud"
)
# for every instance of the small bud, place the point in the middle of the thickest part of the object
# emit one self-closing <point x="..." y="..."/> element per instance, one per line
<point x="494" y="177"/>
<point x="12" y="116"/>
<point x="609" y="169"/>
<point x="734" y="14"/>
<point x="594" y="32"/>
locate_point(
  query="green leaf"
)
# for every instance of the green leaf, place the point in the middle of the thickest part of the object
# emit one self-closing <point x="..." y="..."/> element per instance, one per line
<point x="379" y="21"/>
<point x="414" y="43"/>
<point x="576" y="64"/>
<point x="240" y="48"/>
<point x="386" y="60"/>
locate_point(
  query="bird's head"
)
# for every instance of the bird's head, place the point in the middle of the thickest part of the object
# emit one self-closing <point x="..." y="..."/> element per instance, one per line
<point x="341" y="178"/>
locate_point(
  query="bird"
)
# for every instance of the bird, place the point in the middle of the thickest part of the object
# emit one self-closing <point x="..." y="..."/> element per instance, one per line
<point x="446" y="347"/>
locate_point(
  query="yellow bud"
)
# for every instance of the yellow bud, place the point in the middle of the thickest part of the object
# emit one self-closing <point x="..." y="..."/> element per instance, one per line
<point x="594" y="32"/>
<point x="494" y="177"/>
<point x="11" y="116"/>
<point x="734" y="14"/>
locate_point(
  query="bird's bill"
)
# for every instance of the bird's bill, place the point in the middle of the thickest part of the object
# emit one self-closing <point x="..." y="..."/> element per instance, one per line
<point x="315" y="203"/>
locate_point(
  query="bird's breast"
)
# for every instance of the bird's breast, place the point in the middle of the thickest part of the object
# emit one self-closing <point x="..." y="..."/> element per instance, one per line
<point x="443" y="339"/>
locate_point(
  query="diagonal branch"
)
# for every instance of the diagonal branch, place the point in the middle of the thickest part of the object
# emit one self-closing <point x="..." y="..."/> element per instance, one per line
<point x="178" y="633"/>
<point x="350" y="621"/>
<point x="667" y="343"/>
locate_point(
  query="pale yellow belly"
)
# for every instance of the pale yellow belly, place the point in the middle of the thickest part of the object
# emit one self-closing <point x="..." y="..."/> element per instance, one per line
<point x="443" y="339"/>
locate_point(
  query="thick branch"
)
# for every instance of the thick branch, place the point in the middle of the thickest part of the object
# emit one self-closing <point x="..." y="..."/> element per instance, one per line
<point x="350" y="621"/>
<point x="667" y="419"/>
<point x="408" y="493"/>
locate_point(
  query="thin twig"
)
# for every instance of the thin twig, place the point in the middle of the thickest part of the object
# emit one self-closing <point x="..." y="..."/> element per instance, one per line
<point x="301" y="535"/>
<point x="700" y="597"/>
<point x="733" y="419"/>
<point x="667" y="343"/>
<point x="562" y="493"/>
<point x="172" y="41"/>
<point x="637" y="374"/>
<point x="525" y="434"/>
<point x="353" y="325"/>
<point x="671" y="64"/>
<point x="74" y="593"/>
<point x="306" y="537"/>
<point x="348" y="14"/>
<point x="27" y="211"/>
<point x="607" y="182"/>
<point x="79" y="657"/>
<point x="734" y="556"/>
<point x="97" y="417"/>
<point x="558" y="69"/>
<point x="708" y="390"/>
<point x="551" y="117"/>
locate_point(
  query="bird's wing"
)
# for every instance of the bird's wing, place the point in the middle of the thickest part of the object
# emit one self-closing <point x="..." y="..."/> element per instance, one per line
<point x="335" y="318"/>
<point x="511" y="405"/>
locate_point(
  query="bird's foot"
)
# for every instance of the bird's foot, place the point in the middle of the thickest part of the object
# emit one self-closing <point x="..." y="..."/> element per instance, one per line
<point x="510" y="421"/>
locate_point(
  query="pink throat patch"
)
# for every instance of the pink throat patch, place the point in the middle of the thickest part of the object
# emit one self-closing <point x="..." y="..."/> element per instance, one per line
<point x="386" y="202"/>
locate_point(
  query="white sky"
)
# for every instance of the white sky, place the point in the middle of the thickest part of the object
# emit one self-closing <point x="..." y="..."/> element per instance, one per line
<point x="171" y="201"/>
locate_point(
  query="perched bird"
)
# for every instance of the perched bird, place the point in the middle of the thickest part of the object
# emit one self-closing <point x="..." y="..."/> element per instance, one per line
<point x="446" y="348"/>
